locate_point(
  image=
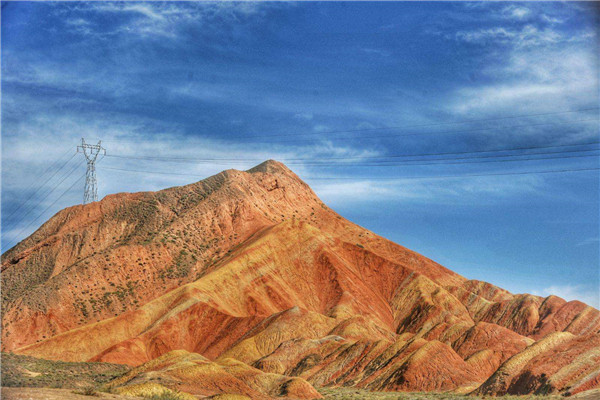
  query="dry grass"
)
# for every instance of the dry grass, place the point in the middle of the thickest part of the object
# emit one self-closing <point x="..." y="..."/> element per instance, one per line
<point x="87" y="391"/>
<point x="360" y="394"/>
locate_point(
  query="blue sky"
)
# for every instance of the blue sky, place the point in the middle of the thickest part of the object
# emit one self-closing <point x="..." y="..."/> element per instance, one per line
<point x="312" y="85"/>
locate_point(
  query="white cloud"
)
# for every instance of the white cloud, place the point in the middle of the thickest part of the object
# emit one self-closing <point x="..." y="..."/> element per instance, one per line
<point x="540" y="70"/>
<point x="484" y="34"/>
<point x="251" y="92"/>
<point x="145" y="9"/>
<point x="589" y="241"/>
<point x="463" y="190"/>
<point x="304" y="116"/>
<point x="350" y="192"/>
<point x="572" y="292"/>
<point x="378" y="52"/>
<point x="157" y="19"/>
<point x="527" y="36"/>
<point x="516" y="12"/>
<point x="78" y="22"/>
<point x="551" y="20"/>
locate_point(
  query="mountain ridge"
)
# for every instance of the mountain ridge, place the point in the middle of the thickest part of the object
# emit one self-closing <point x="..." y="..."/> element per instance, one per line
<point x="253" y="266"/>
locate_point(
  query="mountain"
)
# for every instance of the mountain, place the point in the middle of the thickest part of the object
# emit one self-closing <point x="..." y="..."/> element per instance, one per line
<point x="248" y="280"/>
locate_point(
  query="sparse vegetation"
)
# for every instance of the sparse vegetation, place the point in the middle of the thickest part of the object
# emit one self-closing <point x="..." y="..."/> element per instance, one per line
<point x="25" y="371"/>
<point x="87" y="391"/>
<point x="181" y="265"/>
<point x="361" y="394"/>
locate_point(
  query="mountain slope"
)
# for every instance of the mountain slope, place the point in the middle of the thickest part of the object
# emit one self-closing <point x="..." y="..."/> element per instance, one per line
<point x="253" y="266"/>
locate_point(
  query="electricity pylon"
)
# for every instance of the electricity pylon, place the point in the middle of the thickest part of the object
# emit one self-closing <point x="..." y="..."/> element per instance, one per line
<point x="90" y="151"/>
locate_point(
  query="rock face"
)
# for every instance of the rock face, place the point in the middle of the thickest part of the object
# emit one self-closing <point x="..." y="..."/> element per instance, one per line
<point x="249" y="277"/>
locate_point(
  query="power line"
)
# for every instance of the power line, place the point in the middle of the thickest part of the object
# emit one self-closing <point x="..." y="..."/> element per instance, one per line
<point x="432" y="162"/>
<point x="364" y="165"/>
<point x="555" y="171"/>
<point x="499" y="150"/>
<point x="45" y="195"/>
<point x="32" y="207"/>
<point x="436" y="161"/>
<point x="212" y="160"/>
<point x="41" y="176"/>
<point x="150" y="172"/>
<point x="40" y="186"/>
<point x="14" y="241"/>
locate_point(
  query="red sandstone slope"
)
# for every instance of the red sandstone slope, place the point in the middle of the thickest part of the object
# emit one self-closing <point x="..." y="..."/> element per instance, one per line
<point x="253" y="266"/>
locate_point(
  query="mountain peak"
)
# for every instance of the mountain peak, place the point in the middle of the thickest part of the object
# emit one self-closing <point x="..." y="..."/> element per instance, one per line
<point x="270" y="166"/>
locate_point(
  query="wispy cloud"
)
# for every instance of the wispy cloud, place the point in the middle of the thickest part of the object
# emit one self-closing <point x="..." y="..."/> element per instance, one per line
<point x="527" y="36"/>
<point x="378" y="52"/>
<point x="590" y="296"/>
<point x="155" y="19"/>
<point x="533" y="80"/>
<point x="533" y="67"/>
<point x="304" y="116"/>
<point x="590" y="241"/>
<point x="516" y="12"/>
<point x="463" y="190"/>
<point x="551" y="20"/>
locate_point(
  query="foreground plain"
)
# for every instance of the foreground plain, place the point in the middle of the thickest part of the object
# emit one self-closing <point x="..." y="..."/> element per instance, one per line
<point x="29" y="378"/>
<point x="9" y="393"/>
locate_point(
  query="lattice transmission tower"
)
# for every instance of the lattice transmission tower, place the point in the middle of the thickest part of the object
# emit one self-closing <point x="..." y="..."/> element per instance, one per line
<point x="91" y="152"/>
